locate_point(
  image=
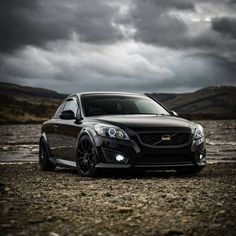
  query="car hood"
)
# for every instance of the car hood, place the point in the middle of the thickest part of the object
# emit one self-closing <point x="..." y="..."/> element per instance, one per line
<point x="145" y="121"/>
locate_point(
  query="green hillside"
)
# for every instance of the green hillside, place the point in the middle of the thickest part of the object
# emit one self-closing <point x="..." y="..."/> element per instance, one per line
<point x="211" y="102"/>
<point x="21" y="104"/>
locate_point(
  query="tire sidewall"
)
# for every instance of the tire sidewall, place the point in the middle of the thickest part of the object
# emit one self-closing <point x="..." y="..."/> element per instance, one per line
<point x="93" y="172"/>
<point x="45" y="164"/>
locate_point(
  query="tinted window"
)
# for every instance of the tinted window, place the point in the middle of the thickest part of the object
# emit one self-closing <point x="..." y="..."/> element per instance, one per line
<point x="113" y="105"/>
<point x="72" y="105"/>
<point x="58" y="112"/>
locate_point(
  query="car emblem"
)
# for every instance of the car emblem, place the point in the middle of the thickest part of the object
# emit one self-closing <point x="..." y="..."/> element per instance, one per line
<point x="166" y="138"/>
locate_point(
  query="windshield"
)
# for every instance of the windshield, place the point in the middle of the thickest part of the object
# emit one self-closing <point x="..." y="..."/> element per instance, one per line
<point x="97" y="105"/>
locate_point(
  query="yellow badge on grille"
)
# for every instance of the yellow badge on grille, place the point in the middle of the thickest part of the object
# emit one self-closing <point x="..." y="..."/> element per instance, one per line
<point x="165" y="137"/>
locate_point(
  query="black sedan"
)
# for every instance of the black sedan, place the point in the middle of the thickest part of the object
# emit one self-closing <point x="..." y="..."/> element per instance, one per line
<point x="120" y="131"/>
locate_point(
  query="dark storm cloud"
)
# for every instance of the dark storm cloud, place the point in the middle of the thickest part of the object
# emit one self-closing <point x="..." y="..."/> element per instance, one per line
<point x="24" y="22"/>
<point x="169" y="4"/>
<point x="161" y="23"/>
<point x="139" y="45"/>
<point x="153" y="23"/>
<point x="225" y="26"/>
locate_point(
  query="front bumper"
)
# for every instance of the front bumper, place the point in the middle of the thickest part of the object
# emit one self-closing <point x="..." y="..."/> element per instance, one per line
<point x="138" y="156"/>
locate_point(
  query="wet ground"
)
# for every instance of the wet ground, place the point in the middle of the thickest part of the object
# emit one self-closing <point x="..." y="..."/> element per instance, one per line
<point x="18" y="143"/>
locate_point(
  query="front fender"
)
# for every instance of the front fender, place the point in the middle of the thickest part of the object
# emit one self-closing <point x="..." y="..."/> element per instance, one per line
<point x="91" y="133"/>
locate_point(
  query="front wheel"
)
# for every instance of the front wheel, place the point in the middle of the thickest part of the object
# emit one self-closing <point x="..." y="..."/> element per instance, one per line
<point x="86" y="157"/>
<point x="44" y="162"/>
<point x="189" y="170"/>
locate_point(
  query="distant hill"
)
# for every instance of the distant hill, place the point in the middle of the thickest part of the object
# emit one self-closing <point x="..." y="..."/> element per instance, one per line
<point x="22" y="104"/>
<point x="212" y="102"/>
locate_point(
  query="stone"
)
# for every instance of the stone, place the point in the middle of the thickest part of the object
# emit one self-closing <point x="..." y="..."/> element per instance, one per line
<point x="124" y="209"/>
<point x="35" y="151"/>
<point x="53" y="234"/>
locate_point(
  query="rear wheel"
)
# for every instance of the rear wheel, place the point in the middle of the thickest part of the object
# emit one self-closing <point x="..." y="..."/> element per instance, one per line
<point x="189" y="170"/>
<point x="86" y="157"/>
<point x="44" y="162"/>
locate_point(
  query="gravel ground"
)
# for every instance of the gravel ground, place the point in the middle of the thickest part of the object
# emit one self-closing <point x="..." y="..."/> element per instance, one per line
<point x="62" y="203"/>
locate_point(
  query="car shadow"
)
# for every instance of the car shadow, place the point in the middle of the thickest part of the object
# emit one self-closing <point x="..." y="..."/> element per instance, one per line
<point x="108" y="174"/>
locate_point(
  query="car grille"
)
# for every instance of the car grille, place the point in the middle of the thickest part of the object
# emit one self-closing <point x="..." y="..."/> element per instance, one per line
<point x="164" y="139"/>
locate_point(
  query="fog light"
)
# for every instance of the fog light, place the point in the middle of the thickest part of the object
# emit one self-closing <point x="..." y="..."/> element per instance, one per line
<point x="120" y="157"/>
<point x="200" y="156"/>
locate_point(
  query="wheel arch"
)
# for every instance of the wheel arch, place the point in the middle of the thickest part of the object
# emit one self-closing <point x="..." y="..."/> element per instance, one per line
<point x="43" y="136"/>
<point x="90" y="133"/>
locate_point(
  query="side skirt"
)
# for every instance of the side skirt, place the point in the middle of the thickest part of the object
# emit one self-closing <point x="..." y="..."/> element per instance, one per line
<point x="66" y="163"/>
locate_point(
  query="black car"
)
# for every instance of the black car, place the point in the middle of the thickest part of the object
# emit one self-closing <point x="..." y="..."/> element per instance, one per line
<point x="122" y="131"/>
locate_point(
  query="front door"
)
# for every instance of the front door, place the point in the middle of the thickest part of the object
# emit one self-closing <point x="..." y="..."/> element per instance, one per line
<point x="67" y="133"/>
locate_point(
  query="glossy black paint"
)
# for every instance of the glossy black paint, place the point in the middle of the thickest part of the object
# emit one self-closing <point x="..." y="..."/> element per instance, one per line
<point x="63" y="132"/>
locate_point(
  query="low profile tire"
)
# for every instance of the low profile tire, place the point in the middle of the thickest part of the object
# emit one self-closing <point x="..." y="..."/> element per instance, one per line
<point x="44" y="162"/>
<point x="86" y="157"/>
<point x="190" y="170"/>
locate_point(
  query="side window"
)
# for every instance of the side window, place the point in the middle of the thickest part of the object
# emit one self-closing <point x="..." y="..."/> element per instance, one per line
<point x="59" y="110"/>
<point x="71" y="104"/>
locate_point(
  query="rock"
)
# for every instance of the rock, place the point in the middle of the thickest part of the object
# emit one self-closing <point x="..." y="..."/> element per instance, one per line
<point x="219" y="204"/>
<point x="53" y="234"/>
<point x="220" y="213"/>
<point x="49" y="218"/>
<point x="163" y="195"/>
<point x="128" y="219"/>
<point x="143" y="199"/>
<point x="173" y="232"/>
<point x="12" y="222"/>
<point x="7" y="148"/>
<point x="98" y="221"/>
<point x="140" y="205"/>
<point x="82" y="194"/>
<point x="7" y="189"/>
<point x="107" y="194"/>
<point x="35" y="151"/>
<point x="124" y="209"/>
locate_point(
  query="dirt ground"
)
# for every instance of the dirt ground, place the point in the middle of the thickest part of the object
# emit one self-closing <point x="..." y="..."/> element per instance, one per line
<point x="62" y="203"/>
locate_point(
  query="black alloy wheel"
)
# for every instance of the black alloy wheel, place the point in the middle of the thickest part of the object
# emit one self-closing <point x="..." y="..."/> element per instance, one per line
<point x="44" y="162"/>
<point x="86" y="157"/>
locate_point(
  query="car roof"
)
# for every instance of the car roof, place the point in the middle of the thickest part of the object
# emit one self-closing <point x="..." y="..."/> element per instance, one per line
<point x="109" y="93"/>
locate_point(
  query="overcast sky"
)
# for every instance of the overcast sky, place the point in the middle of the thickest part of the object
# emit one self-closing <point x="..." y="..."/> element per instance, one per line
<point x="123" y="45"/>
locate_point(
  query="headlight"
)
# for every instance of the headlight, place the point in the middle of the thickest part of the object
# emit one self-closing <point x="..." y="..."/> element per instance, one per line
<point x="199" y="133"/>
<point x="110" y="131"/>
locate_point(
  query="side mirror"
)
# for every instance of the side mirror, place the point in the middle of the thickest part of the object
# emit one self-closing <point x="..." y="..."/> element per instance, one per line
<point x="67" y="115"/>
<point x="174" y="113"/>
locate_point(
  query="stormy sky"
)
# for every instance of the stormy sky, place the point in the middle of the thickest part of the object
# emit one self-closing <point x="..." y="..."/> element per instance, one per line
<point x="123" y="45"/>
